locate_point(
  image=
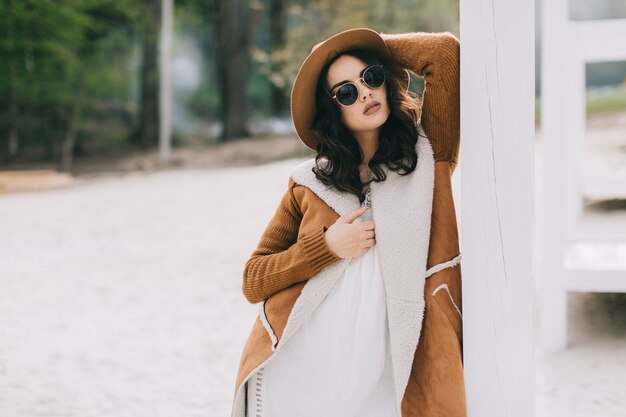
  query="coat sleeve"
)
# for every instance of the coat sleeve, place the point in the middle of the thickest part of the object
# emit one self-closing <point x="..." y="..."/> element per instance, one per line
<point x="280" y="258"/>
<point x="436" y="58"/>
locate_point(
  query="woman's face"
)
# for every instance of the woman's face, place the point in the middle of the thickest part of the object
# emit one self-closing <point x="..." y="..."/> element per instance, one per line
<point x="350" y="68"/>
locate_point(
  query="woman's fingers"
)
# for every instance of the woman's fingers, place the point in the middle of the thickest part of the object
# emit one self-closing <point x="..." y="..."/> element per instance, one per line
<point x="350" y="217"/>
<point x="368" y="224"/>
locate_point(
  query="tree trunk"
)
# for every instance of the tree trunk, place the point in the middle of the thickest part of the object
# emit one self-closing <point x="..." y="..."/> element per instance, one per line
<point x="278" y="39"/>
<point x="234" y="27"/>
<point x="9" y="146"/>
<point x="147" y="131"/>
<point x="67" y="147"/>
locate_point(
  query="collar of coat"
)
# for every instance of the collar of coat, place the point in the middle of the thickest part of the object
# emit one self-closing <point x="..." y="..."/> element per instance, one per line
<point x="402" y="207"/>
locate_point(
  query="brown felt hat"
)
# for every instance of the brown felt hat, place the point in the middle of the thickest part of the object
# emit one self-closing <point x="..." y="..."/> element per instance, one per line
<point x="304" y="86"/>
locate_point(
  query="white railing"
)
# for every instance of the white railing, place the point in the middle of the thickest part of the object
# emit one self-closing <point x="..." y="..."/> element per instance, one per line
<point x="578" y="254"/>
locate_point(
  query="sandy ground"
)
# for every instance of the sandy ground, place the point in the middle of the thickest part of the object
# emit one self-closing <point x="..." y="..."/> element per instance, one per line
<point x="120" y="296"/>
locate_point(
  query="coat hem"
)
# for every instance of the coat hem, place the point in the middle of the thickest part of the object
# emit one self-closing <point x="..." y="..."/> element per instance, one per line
<point x="243" y="384"/>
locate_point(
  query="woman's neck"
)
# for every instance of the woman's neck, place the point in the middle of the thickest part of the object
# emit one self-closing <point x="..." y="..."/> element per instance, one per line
<point x="368" y="142"/>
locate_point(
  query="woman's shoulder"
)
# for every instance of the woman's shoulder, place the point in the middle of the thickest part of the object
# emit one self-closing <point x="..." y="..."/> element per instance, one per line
<point x="302" y="175"/>
<point x="301" y="184"/>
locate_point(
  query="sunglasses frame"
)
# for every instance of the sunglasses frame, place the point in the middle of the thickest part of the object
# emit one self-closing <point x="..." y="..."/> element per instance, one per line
<point x="334" y="97"/>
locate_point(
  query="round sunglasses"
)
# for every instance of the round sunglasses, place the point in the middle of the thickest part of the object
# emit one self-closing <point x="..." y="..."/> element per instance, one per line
<point x="347" y="94"/>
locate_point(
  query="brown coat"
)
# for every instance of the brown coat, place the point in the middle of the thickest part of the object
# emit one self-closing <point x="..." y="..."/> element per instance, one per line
<point x="417" y="243"/>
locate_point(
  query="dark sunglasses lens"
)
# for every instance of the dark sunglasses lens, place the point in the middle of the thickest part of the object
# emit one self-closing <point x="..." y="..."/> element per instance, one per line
<point x="374" y="76"/>
<point x="347" y="94"/>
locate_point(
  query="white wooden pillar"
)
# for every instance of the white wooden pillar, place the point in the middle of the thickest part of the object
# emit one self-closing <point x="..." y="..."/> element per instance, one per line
<point x="497" y="141"/>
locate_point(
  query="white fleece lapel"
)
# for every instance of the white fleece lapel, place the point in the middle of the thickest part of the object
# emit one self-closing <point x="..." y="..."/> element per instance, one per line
<point x="402" y="207"/>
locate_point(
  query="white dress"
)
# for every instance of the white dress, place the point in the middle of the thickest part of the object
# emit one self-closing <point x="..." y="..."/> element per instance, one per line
<point x="338" y="363"/>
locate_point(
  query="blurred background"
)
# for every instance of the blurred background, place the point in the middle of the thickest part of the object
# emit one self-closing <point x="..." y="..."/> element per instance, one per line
<point x="121" y="262"/>
<point x="81" y="79"/>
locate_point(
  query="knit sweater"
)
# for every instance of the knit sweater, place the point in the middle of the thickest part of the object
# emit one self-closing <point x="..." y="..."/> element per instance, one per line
<point x="280" y="258"/>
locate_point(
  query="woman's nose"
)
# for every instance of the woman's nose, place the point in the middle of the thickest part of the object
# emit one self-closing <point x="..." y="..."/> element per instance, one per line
<point x="364" y="90"/>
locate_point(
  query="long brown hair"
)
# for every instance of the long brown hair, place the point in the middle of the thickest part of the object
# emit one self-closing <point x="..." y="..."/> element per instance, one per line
<point x="340" y="151"/>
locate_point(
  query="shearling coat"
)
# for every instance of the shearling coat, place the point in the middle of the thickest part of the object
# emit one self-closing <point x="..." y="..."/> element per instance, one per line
<point x="417" y="244"/>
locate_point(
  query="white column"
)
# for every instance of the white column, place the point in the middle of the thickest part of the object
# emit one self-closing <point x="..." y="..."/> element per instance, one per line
<point x="497" y="141"/>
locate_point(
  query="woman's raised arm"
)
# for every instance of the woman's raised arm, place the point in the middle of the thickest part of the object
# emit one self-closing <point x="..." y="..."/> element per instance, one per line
<point x="436" y="57"/>
<point x="281" y="259"/>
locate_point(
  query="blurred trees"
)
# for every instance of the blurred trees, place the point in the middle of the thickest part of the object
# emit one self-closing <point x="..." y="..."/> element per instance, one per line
<point x="234" y="21"/>
<point x="278" y="42"/>
<point x="81" y="77"/>
<point x="57" y="72"/>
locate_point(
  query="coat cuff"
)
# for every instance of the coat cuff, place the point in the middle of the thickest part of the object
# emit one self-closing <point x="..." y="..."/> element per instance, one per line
<point x="316" y="251"/>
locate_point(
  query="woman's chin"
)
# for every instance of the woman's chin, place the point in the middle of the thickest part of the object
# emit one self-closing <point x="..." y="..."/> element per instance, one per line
<point x="369" y="123"/>
<point x="376" y="121"/>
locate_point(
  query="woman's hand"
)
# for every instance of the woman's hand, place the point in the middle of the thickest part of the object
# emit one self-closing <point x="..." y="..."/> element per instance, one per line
<point x="347" y="239"/>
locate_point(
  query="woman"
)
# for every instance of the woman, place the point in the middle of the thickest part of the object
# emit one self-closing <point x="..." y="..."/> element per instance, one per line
<point x="357" y="274"/>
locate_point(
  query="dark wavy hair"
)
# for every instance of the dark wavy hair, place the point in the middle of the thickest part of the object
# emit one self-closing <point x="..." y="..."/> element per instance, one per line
<point x="341" y="152"/>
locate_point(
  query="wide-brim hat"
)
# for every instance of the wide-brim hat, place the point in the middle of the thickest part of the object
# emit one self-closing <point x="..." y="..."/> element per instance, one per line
<point x="303" y="104"/>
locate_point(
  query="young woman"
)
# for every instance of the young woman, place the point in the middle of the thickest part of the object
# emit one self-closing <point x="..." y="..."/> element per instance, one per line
<point x="357" y="273"/>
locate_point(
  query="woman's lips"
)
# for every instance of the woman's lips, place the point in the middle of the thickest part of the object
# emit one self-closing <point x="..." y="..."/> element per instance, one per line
<point x="372" y="108"/>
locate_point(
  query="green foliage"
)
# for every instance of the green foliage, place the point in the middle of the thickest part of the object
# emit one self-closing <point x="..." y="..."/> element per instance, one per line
<point x="195" y="18"/>
<point x="57" y="57"/>
<point x="614" y="100"/>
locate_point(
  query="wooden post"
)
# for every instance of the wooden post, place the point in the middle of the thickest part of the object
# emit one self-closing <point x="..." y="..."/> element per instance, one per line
<point x="497" y="142"/>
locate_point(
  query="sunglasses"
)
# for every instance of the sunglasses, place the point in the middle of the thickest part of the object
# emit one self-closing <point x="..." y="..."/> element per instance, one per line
<point x="347" y="94"/>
